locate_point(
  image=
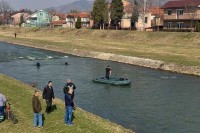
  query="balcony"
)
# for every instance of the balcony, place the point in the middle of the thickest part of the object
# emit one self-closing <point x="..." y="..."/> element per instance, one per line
<point x="185" y="16"/>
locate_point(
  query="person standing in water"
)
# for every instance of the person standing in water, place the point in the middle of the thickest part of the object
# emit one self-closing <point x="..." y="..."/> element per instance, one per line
<point x="108" y="72"/>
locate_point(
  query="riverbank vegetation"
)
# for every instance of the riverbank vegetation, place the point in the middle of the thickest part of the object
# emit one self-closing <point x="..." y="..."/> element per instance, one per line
<point x="20" y="96"/>
<point x="171" y="47"/>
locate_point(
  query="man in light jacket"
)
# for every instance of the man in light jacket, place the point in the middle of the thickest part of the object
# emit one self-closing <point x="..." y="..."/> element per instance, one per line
<point x="2" y="102"/>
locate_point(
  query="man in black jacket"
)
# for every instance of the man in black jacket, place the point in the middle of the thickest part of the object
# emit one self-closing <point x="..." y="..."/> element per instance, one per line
<point x="48" y="95"/>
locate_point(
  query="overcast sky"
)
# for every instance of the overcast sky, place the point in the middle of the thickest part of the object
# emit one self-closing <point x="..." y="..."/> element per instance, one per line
<point x="36" y="4"/>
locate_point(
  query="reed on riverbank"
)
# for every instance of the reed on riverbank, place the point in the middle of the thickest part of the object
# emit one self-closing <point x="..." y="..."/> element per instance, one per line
<point x="20" y="95"/>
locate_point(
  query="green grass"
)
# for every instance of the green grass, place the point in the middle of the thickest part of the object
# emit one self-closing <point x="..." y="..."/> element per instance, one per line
<point x="20" y="96"/>
<point x="180" y="48"/>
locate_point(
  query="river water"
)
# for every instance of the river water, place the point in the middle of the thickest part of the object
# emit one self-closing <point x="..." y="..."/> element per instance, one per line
<point x="156" y="101"/>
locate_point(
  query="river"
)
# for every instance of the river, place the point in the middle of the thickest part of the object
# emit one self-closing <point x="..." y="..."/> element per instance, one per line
<point x="156" y="102"/>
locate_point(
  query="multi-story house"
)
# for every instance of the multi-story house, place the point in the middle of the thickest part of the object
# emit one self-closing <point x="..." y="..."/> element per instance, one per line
<point x="71" y="19"/>
<point x="58" y="16"/>
<point x="15" y="19"/>
<point x="181" y="14"/>
<point x="149" y="20"/>
<point x="39" y="19"/>
<point x="58" y="20"/>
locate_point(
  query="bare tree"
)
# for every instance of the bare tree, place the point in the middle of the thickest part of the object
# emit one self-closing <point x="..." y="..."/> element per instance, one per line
<point x="5" y="10"/>
<point x="191" y="7"/>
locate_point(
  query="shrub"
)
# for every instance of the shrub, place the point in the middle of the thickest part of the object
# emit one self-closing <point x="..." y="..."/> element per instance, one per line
<point x="78" y="23"/>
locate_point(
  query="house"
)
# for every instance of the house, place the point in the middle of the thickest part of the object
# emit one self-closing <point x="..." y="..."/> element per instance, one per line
<point x="126" y="19"/>
<point x="71" y="19"/>
<point x="148" y="20"/>
<point x="39" y="19"/>
<point x="15" y="19"/>
<point x="181" y="14"/>
<point x="58" y="16"/>
<point x="151" y="20"/>
<point x="58" y="20"/>
<point x="59" y="24"/>
<point x="144" y="21"/>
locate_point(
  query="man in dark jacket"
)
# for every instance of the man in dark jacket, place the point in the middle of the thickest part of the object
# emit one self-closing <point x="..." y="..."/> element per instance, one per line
<point x="48" y="95"/>
<point x="68" y="85"/>
<point x="69" y="104"/>
<point x="37" y="110"/>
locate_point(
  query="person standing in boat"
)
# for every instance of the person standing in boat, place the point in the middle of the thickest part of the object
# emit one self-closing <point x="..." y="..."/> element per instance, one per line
<point x="108" y="72"/>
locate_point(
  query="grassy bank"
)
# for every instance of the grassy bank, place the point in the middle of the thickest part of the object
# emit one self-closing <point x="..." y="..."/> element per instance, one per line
<point x="20" y="96"/>
<point x="177" y="48"/>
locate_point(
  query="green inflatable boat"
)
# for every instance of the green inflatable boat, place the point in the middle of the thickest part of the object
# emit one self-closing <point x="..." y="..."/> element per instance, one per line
<point x="113" y="81"/>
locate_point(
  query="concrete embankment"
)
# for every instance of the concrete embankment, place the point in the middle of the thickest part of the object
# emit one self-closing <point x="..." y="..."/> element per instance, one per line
<point x="149" y="63"/>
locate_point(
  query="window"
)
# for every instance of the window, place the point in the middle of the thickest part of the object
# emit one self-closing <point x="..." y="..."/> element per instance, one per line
<point x="180" y="25"/>
<point x="146" y="19"/>
<point x="169" y="25"/>
<point x="169" y="12"/>
<point x="179" y="12"/>
<point x="41" y="14"/>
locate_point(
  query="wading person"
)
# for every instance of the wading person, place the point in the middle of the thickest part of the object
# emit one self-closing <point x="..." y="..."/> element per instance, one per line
<point x="68" y="85"/>
<point x="37" y="121"/>
<point x="108" y="72"/>
<point x="2" y="102"/>
<point x="48" y="95"/>
<point x="69" y="105"/>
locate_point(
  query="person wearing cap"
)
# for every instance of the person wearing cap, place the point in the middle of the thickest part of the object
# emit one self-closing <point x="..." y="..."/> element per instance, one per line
<point x="108" y="72"/>
<point x="37" y="121"/>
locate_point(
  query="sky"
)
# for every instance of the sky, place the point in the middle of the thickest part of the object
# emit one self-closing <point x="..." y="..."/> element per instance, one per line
<point x="36" y="4"/>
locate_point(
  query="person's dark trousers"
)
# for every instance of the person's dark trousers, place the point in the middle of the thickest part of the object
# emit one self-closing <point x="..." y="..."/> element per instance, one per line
<point x="107" y="76"/>
<point x="48" y="107"/>
<point x="1" y="113"/>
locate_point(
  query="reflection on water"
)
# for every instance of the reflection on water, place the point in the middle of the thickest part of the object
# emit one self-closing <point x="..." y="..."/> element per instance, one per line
<point x="156" y="101"/>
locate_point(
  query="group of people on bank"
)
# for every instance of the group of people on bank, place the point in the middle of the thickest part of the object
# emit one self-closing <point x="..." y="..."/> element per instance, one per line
<point x="48" y="96"/>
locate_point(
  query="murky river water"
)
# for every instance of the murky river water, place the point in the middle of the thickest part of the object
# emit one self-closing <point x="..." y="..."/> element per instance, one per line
<point x="156" y="102"/>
